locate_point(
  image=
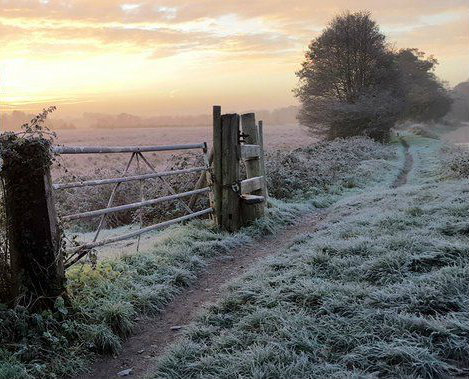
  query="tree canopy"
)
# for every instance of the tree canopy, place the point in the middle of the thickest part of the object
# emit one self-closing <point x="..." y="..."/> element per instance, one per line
<point x="352" y="83"/>
<point x="426" y="98"/>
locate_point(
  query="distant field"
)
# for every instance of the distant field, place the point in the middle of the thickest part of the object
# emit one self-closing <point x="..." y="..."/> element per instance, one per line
<point x="275" y="137"/>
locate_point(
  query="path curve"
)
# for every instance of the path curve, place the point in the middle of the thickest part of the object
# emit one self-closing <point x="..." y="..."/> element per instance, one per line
<point x="408" y="163"/>
<point x="153" y="335"/>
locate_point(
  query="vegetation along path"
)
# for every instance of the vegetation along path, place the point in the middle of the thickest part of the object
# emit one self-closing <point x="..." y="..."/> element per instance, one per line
<point x="402" y="177"/>
<point x="153" y="335"/>
<point x="377" y="290"/>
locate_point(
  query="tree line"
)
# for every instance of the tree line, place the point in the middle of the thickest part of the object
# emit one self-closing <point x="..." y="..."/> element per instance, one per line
<point x="353" y="83"/>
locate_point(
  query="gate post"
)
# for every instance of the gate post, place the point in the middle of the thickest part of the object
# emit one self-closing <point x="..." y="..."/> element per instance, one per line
<point x="230" y="215"/>
<point x="253" y="208"/>
<point x="34" y="237"/>
<point x="217" y="163"/>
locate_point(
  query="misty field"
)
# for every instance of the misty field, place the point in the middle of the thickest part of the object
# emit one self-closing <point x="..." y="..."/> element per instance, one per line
<point x="275" y="137"/>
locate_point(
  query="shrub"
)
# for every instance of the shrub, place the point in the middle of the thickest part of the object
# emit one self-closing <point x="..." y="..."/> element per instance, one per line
<point x="456" y="161"/>
<point x="317" y="169"/>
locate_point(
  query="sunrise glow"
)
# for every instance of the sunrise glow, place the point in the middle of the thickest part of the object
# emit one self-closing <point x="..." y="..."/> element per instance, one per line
<point x="163" y="57"/>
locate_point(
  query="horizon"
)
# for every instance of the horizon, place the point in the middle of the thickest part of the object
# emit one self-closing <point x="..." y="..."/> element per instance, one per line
<point x="150" y="59"/>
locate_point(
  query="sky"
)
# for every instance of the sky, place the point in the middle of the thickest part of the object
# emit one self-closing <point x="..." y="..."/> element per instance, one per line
<point x="159" y="57"/>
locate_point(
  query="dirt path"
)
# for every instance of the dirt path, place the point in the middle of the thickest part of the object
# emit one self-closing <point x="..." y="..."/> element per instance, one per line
<point x="153" y="335"/>
<point x="408" y="163"/>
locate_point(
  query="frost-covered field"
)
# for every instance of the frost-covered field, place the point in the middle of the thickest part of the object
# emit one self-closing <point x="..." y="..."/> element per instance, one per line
<point x="381" y="290"/>
<point x="106" y="301"/>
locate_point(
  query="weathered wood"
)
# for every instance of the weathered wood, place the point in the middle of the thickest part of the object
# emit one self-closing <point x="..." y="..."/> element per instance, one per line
<point x="209" y="178"/>
<point x="126" y="207"/>
<point x="33" y="232"/>
<point x="230" y="172"/>
<point x="202" y="182"/>
<point x="252" y="208"/>
<point x="82" y="250"/>
<point x="262" y="158"/>
<point x="252" y="184"/>
<point x="100" y="182"/>
<point x="122" y="149"/>
<point x="250" y="152"/>
<point x="253" y="166"/>
<point x="252" y="199"/>
<point x="217" y="163"/>
<point x="251" y="212"/>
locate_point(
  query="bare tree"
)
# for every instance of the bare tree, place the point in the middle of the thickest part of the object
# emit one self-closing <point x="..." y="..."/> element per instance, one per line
<point x="349" y="81"/>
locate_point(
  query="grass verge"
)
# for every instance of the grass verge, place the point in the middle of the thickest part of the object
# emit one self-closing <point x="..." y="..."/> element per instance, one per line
<point x="106" y="301"/>
<point x="380" y="291"/>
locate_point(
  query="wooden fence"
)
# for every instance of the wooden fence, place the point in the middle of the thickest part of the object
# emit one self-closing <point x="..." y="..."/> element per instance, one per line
<point x="234" y="202"/>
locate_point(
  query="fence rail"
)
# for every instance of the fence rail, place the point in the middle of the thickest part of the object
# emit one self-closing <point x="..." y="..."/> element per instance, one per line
<point x="76" y="253"/>
<point x="123" y="149"/>
<point x="140" y="204"/>
<point x="100" y="182"/>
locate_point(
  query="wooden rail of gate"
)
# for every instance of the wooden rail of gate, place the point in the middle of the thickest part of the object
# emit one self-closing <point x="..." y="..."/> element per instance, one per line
<point x="76" y="253"/>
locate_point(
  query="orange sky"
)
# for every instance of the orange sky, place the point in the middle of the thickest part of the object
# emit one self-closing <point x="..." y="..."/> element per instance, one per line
<point x="153" y="57"/>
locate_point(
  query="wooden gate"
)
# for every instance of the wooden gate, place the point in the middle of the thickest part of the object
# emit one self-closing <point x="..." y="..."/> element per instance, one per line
<point x="136" y="154"/>
<point x="238" y="202"/>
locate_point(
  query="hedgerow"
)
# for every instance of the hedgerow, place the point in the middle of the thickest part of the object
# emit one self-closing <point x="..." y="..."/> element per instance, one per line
<point x="456" y="161"/>
<point x="308" y="171"/>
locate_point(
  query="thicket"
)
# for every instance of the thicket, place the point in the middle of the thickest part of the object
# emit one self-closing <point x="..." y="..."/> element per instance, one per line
<point x="456" y="161"/>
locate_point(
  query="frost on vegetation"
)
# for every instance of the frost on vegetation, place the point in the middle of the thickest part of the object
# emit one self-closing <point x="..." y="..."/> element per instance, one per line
<point x="456" y="161"/>
<point x="381" y="290"/>
<point x="105" y="301"/>
<point x="327" y="167"/>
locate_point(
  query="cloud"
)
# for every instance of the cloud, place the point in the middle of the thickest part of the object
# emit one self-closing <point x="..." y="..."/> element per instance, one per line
<point x="200" y="43"/>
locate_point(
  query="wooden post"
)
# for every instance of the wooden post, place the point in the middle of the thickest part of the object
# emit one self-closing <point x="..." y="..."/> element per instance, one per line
<point x="252" y="207"/>
<point x="230" y="207"/>
<point x="217" y="164"/>
<point x="262" y="158"/>
<point x="253" y="166"/>
<point x="33" y="232"/>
